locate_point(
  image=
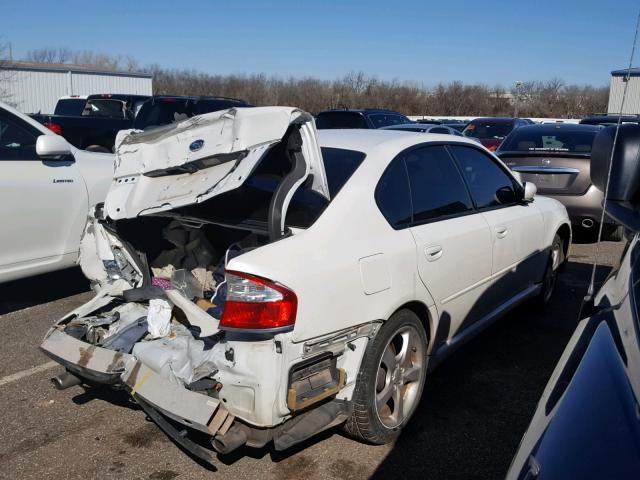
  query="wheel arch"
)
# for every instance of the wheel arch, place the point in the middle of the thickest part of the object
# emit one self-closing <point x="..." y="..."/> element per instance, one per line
<point x="422" y="312"/>
<point x="564" y="232"/>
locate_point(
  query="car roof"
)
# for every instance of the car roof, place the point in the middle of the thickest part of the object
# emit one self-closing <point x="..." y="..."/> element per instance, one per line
<point x="575" y="127"/>
<point x="361" y="110"/>
<point x="494" y="119"/>
<point x="370" y="140"/>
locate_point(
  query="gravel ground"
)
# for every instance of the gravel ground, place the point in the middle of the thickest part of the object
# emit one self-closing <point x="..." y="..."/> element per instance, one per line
<point x="474" y="410"/>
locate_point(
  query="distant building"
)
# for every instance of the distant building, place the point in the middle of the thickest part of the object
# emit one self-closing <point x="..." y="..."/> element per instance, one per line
<point x="36" y="87"/>
<point x="620" y="78"/>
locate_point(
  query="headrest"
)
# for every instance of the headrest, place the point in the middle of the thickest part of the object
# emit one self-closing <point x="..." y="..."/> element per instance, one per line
<point x="624" y="185"/>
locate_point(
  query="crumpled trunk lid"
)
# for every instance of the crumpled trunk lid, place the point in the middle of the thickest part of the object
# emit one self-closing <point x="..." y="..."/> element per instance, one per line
<point x="204" y="156"/>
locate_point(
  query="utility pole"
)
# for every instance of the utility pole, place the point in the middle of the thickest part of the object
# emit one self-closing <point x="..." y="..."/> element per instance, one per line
<point x="517" y="99"/>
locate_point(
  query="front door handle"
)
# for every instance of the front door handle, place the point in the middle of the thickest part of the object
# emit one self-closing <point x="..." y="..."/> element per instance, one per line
<point x="501" y="232"/>
<point x="433" y="252"/>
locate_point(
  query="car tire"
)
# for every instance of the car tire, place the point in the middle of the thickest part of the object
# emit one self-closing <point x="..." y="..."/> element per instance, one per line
<point x="389" y="384"/>
<point x="98" y="148"/>
<point x="550" y="277"/>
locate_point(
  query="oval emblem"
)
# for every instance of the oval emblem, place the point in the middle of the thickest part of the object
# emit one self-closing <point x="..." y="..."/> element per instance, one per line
<point x="196" y="145"/>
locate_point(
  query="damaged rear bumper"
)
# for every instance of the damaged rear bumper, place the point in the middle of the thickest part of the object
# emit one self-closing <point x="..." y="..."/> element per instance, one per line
<point x="100" y="365"/>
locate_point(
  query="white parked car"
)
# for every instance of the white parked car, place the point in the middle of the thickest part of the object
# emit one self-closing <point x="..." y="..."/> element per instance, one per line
<point x="46" y="189"/>
<point x="258" y="282"/>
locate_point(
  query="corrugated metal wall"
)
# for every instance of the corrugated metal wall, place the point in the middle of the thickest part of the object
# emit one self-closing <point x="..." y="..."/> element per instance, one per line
<point x="34" y="91"/>
<point x="631" y="102"/>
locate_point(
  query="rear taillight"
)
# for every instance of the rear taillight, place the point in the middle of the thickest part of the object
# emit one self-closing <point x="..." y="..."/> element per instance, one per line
<point x="54" y="127"/>
<point x="254" y="303"/>
<point x="492" y="148"/>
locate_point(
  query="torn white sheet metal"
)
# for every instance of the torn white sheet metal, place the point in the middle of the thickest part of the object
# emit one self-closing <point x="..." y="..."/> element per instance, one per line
<point x="196" y="159"/>
<point x="195" y="410"/>
<point x="195" y="315"/>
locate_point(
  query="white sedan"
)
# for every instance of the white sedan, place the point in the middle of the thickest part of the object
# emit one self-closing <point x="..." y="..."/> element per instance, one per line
<point x="46" y="189"/>
<point x="260" y="282"/>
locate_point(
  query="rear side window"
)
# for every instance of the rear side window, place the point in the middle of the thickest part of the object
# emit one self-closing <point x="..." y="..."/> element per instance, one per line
<point x="490" y="185"/>
<point x="70" y="107"/>
<point x="333" y="120"/>
<point x="393" y="195"/>
<point x="437" y="189"/>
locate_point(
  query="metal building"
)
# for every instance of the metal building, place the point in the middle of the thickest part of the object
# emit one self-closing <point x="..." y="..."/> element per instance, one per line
<point x="36" y="87"/>
<point x="620" y="78"/>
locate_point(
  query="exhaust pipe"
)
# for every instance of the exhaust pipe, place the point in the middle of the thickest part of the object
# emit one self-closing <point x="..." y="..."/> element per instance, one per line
<point x="587" y="223"/>
<point x="65" y="381"/>
<point x="235" y="438"/>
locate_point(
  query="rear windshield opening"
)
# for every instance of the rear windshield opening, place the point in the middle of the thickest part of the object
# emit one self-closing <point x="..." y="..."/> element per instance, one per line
<point x="249" y="204"/>
<point x="549" y="141"/>
<point x="488" y="129"/>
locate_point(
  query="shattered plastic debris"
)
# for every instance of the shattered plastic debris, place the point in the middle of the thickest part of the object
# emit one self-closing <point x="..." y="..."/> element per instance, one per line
<point x="184" y="281"/>
<point x="159" y="318"/>
<point x="163" y="272"/>
<point x="205" y="278"/>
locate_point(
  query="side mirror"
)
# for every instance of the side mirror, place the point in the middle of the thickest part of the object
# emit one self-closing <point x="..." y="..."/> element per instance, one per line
<point x="52" y="147"/>
<point x="529" y="193"/>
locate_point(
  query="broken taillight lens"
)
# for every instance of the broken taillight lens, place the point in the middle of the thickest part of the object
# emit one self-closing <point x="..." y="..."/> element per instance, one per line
<point x="254" y="303"/>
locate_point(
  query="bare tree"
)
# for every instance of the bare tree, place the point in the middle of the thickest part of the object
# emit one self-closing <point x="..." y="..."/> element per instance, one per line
<point x="6" y="76"/>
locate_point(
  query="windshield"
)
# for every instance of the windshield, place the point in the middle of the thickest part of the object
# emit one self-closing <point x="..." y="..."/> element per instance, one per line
<point x="549" y="140"/>
<point x="385" y="119"/>
<point x="332" y="120"/>
<point x="487" y="129"/>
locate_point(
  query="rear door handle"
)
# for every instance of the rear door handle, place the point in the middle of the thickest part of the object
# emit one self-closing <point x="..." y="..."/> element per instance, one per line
<point x="501" y="232"/>
<point x="433" y="252"/>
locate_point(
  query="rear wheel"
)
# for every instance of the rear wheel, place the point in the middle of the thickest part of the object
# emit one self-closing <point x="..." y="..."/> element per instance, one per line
<point x="556" y="258"/>
<point x="390" y="381"/>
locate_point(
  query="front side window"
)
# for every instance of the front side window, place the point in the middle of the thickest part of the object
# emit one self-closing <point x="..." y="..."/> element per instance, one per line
<point x="437" y="189"/>
<point x="490" y="185"/>
<point x="17" y="141"/>
<point x="393" y="195"/>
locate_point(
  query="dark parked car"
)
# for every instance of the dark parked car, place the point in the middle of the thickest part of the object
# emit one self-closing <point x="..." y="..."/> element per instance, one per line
<point x="163" y="110"/>
<point x="359" y="118"/>
<point x="556" y="158"/>
<point x="587" y="423"/>
<point x="608" y="120"/>
<point x="92" y="123"/>
<point x="424" y="128"/>
<point x="492" y="130"/>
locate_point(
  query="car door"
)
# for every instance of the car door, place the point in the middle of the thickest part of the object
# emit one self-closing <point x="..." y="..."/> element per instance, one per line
<point x="41" y="201"/>
<point x="453" y="242"/>
<point x="516" y="228"/>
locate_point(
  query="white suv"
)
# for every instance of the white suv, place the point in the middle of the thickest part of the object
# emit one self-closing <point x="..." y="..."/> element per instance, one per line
<point x="258" y="283"/>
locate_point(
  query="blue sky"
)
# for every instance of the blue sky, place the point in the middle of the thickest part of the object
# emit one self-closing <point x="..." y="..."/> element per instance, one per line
<point x="494" y="42"/>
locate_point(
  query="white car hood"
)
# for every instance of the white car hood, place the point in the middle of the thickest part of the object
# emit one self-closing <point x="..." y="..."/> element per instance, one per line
<point x="201" y="157"/>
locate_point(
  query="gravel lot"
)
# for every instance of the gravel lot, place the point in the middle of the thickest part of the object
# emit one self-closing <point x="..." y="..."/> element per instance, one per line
<point x="475" y="408"/>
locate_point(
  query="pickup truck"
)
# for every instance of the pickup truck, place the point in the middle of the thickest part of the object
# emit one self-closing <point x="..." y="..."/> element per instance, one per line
<point x="94" y="128"/>
<point x="46" y="189"/>
<point x="103" y="116"/>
